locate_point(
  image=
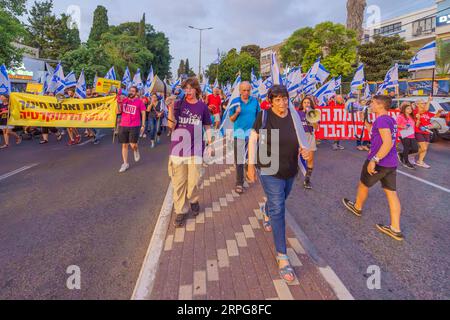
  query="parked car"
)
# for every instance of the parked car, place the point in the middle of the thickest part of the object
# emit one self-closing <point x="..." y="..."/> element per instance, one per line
<point x="441" y="124"/>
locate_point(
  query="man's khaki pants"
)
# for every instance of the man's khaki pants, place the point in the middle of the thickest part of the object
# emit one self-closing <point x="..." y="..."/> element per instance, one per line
<point x="186" y="175"/>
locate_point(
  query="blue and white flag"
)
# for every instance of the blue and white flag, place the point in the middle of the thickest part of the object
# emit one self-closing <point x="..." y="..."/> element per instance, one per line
<point x="149" y="82"/>
<point x="367" y="94"/>
<point x="80" y="90"/>
<point x="294" y="80"/>
<point x="57" y="84"/>
<point x="49" y="68"/>
<point x="237" y="82"/>
<point x="233" y="103"/>
<point x="338" y="83"/>
<point x="111" y="75"/>
<point x="216" y="84"/>
<point x="137" y="80"/>
<point x="175" y="84"/>
<point x="5" y="84"/>
<point x="264" y="88"/>
<point x="322" y="74"/>
<point x="70" y="80"/>
<point x="275" y="70"/>
<point x="359" y="79"/>
<point x="255" y="84"/>
<point x="327" y="91"/>
<point x="425" y="58"/>
<point x="301" y="136"/>
<point x="390" y="81"/>
<point x="309" y="81"/>
<point x="126" y="80"/>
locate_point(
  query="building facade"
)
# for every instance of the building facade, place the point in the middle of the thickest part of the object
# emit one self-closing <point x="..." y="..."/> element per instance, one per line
<point x="266" y="56"/>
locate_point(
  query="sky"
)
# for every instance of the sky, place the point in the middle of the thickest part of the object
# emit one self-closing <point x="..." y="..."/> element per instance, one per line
<point x="235" y="22"/>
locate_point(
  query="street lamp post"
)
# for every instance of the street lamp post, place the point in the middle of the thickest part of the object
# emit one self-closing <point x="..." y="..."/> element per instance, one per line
<point x="200" y="54"/>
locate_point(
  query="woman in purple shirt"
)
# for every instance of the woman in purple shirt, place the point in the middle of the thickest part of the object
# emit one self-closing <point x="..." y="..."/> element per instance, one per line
<point x="381" y="166"/>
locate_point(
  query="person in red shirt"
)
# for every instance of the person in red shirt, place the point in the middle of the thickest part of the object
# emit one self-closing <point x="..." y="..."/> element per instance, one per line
<point x="214" y="102"/>
<point x="423" y="118"/>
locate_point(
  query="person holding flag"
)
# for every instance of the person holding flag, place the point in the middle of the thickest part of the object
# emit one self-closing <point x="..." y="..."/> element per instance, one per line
<point x="243" y="116"/>
<point x="214" y="102"/>
<point x="277" y="177"/>
<point x="7" y="130"/>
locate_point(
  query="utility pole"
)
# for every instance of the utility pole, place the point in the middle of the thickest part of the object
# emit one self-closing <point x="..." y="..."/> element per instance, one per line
<point x="200" y="53"/>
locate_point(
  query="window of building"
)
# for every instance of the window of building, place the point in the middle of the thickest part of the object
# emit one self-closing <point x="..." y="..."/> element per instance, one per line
<point x="424" y="26"/>
<point x="392" y="28"/>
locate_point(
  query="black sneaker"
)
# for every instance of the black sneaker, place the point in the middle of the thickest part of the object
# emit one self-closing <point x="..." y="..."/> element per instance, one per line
<point x="351" y="207"/>
<point x="400" y="157"/>
<point x="180" y="220"/>
<point x="408" y="165"/>
<point x="307" y="184"/>
<point x="388" y="231"/>
<point x="195" y="207"/>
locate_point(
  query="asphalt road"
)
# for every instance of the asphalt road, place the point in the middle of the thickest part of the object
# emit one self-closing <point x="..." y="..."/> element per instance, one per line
<point x="74" y="208"/>
<point x="418" y="268"/>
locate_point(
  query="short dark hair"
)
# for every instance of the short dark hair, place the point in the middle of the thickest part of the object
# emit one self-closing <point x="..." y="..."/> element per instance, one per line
<point x="193" y="82"/>
<point x="277" y="91"/>
<point x="386" y="101"/>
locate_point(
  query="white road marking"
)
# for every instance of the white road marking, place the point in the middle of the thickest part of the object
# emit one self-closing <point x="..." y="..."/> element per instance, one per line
<point x="424" y="181"/>
<point x="147" y="276"/>
<point x="90" y="141"/>
<point x="10" y="174"/>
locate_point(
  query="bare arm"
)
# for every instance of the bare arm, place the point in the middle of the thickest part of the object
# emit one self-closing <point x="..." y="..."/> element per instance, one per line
<point x="252" y="147"/>
<point x="171" y="116"/>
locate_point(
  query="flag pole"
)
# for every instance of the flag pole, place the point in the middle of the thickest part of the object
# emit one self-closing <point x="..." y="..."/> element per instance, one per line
<point x="432" y="82"/>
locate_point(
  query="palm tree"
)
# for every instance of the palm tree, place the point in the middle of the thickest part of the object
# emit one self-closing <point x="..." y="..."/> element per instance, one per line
<point x="355" y="16"/>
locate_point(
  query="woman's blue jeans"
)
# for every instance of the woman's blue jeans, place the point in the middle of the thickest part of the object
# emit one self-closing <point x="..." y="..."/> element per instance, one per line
<point x="155" y="127"/>
<point x="277" y="191"/>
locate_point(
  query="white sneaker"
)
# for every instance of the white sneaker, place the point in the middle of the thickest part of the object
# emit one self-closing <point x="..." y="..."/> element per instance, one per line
<point x="423" y="165"/>
<point x="137" y="156"/>
<point x="412" y="160"/>
<point x="124" y="167"/>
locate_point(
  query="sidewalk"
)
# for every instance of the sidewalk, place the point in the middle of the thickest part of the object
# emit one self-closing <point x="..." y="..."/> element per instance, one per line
<point x="225" y="254"/>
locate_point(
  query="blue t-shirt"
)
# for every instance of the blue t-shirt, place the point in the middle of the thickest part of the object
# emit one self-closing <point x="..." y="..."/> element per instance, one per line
<point x="244" y="122"/>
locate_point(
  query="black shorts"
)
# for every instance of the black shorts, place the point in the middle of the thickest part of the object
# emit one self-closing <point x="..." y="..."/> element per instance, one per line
<point x="387" y="176"/>
<point x="129" y="134"/>
<point x="420" y="137"/>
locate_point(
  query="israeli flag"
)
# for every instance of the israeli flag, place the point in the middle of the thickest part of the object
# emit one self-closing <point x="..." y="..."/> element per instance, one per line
<point x="391" y="79"/>
<point x="227" y="90"/>
<point x="309" y="81"/>
<point x="80" y="90"/>
<point x="339" y="83"/>
<point x="255" y="84"/>
<point x="327" y="91"/>
<point x="425" y="58"/>
<point x="264" y="88"/>
<point x="95" y="82"/>
<point x="126" y="80"/>
<point x="175" y="84"/>
<point x="237" y="82"/>
<point x="367" y="92"/>
<point x="233" y="103"/>
<point x="149" y="82"/>
<point x="70" y="80"/>
<point x="322" y="74"/>
<point x="359" y="79"/>
<point x="205" y="84"/>
<point x="137" y="80"/>
<point x="216" y="84"/>
<point x="44" y="80"/>
<point x="49" y="68"/>
<point x="111" y="75"/>
<point x="294" y="80"/>
<point x="57" y="84"/>
<point x="275" y="70"/>
<point x="5" y="84"/>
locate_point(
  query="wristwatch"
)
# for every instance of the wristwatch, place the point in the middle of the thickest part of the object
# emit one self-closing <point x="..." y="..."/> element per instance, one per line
<point x="376" y="160"/>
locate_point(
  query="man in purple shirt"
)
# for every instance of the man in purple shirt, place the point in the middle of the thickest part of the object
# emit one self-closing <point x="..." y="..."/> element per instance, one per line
<point x="381" y="165"/>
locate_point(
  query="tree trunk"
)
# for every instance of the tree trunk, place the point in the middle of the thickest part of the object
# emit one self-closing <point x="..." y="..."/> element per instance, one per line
<point x="355" y="16"/>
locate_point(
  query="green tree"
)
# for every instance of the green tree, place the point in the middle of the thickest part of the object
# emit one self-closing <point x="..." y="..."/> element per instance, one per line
<point x="100" y="24"/>
<point x="59" y="37"/>
<point x="141" y="30"/>
<point x="188" y="70"/>
<point x="181" y="68"/>
<point x="443" y="58"/>
<point x="11" y="30"/>
<point x="39" y="16"/>
<point x="93" y="60"/>
<point x="253" y="50"/>
<point x="381" y="54"/>
<point x="231" y="64"/>
<point x="293" y="51"/>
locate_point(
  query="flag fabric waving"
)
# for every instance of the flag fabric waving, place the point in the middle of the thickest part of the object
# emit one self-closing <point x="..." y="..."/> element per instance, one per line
<point x="275" y="70"/>
<point x="327" y="91"/>
<point x="5" y="84"/>
<point x="391" y="79"/>
<point x="149" y="82"/>
<point x="57" y="84"/>
<point x="126" y="80"/>
<point x="425" y="58"/>
<point x="359" y="78"/>
<point x="111" y="75"/>
<point x="137" y="80"/>
<point x="80" y="90"/>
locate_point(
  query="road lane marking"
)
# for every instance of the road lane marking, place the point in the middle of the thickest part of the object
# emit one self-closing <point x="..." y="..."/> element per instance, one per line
<point x="424" y="181"/>
<point x="91" y="140"/>
<point x="10" y="174"/>
<point x="147" y="275"/>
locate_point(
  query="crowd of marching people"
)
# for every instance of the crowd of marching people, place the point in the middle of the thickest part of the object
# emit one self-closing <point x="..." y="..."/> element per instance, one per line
<point x="194" y="119"/>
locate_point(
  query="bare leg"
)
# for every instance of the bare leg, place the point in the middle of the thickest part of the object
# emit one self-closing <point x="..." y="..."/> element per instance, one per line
<point x="70" y="133"/>
<point x="423" y="148"/>
<point x="6" y="136"/>
<point x="395" y="209"/>
<point x="361" y="196"/>
<point x="125" y="153"/>
<point x="134" y="146"/>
